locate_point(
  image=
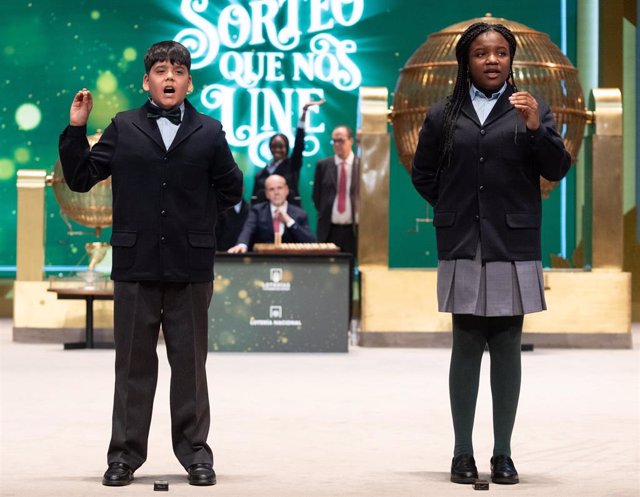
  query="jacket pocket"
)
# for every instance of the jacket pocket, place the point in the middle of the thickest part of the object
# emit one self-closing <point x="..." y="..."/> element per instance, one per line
<point x="123" y="244"/>
<point x="523" y="220"/>
<point x="445" y="233"/>
<point x="517" y="146"/>
<point x="202" y="247"/>
<point x="444" y="219"/>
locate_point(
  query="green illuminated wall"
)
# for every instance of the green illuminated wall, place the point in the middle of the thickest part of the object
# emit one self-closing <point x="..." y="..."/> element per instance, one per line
<point x="311" y="49"/>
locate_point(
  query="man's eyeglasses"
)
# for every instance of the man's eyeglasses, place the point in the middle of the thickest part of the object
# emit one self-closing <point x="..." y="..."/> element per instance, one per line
<point x="338" y="141"/>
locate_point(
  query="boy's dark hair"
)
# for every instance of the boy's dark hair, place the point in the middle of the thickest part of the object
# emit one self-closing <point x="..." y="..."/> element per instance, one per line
<point x="170" y="50"/>
<point x="463" y="80"/>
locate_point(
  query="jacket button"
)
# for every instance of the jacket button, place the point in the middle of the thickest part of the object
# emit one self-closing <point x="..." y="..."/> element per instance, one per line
<point x="163" y="212"/>
<point x="481" y="188"/>
<point x="165" y="158"/>
<point x="483" y="132"/>
<point x="477" y="218"/>
<point x="481" y="159"/>
<point x="163" y="238"/>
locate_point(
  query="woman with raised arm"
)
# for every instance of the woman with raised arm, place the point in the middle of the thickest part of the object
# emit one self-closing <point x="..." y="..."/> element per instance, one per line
<point x="282" y="164"/>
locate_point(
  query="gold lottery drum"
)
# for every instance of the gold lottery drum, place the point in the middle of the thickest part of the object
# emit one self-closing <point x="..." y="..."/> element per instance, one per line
<point x="92" y="208"/>
<point x="539" y="67"/>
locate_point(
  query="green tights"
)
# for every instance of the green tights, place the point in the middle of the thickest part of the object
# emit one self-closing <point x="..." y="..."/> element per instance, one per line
<point x="470" y="335"/>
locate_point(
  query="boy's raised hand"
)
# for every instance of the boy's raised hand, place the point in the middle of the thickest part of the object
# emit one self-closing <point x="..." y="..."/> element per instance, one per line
<point x="81" y="108"/>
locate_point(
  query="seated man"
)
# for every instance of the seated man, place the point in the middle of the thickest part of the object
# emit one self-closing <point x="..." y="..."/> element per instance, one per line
<point x="274" y="216"/>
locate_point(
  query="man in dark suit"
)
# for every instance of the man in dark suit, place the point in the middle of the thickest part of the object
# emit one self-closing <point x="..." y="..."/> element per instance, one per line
<point x="229" y="225"/>
<point x="172" y="172"/>
<point x="335" y="193"/>
<point x="274" y="217"/>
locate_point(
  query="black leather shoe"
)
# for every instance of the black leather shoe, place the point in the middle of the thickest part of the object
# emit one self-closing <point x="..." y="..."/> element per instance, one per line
<point x="503" y="471"/>
<point x="201" y="474"/>
<point x="463" y="469"/>
<point x="118" y="474"/>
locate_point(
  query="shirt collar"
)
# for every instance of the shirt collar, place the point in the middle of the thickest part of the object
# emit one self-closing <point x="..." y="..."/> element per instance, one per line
<point x="282" y="208"/>
<point x="181" y="107"/>
<point x="477" y="94"/>
<point x="348" y="160"/>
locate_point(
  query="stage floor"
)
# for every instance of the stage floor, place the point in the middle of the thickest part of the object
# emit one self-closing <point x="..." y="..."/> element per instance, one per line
<point x="374" y="423"/>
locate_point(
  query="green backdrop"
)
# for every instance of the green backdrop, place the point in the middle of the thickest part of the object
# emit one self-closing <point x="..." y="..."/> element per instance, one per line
<point x="255" y="64"/>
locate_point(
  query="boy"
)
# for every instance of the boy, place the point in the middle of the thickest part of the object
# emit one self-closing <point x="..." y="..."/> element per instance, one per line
<point x="172" y="172"/>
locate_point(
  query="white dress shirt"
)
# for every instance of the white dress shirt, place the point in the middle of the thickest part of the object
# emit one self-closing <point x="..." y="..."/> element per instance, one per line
<point x="483" y="104"/>
<point x="168" y="130"/>
<point x="282" y="208"/>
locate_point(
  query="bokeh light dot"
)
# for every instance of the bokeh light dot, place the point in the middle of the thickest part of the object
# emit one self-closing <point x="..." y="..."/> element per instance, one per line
<point x="107" y="82"/>
<point x="130" y="54"/>
<point x="7" y="169"/>
<point x="22" y="155"/>
<point x="28" y="116"/>
<point x="95" y="15"/>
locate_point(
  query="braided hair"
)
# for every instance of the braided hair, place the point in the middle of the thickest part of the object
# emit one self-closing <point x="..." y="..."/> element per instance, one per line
<point x="463" y="81"/>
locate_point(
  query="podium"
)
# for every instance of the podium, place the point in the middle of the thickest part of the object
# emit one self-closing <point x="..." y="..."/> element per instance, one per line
<point x="280" y="302"/>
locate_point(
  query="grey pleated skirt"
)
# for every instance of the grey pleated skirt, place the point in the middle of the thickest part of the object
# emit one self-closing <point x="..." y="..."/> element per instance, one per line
<point x="499" y="288"/>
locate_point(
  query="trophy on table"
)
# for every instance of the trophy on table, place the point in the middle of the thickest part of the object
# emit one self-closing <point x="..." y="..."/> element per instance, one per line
<point x="91" y="209"/>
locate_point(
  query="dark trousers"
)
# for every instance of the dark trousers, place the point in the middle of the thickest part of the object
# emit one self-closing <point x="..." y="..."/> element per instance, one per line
<point x="503" y="336"/>
<point x="344" y="237"/>
<point x="140" y="309"/>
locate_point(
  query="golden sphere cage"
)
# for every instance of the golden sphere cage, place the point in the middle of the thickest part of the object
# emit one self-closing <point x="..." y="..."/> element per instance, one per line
<point x="92" y="208"/>
<point x="539" y="67"/>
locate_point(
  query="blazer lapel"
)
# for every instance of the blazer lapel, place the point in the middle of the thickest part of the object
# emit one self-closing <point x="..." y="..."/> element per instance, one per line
<point x="333" y="174"/>
<point x="501" y="107"/>
<point x="190" y="124"/>
<point x="148" y="126"/>
<point x="469" y="111"/>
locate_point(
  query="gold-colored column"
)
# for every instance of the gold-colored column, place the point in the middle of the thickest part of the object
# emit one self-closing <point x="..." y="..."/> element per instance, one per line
<point x="607" y="224"/>
<point x="374" y="143"/>
<point x="30" y="229"/>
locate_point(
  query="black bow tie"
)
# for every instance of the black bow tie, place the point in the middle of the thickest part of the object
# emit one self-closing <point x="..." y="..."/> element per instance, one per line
<point x="174" y="115"/>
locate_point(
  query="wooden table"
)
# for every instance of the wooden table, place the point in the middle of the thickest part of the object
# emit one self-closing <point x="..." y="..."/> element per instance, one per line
<point x="89" y="295"/>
